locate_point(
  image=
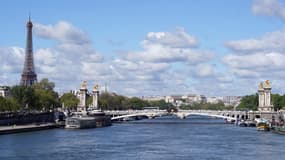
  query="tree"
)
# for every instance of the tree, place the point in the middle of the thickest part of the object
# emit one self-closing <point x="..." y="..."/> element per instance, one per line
<point x="276" y="101"/>
<point x="47" y="97"/>
<point x="89" y="100"/>
<point x="44" y="84"/>
<point x="161" y="104"/>
<point x="18" y="93"/>
<point x="136" y="103"/>
<point x="37" y="97"/>
<point x="249" y="102"/>
<point x="8" y="104"/>
<point x="69" y="100"/>
<point x="25" y="97"/>
<point x="112" y="101"/>
<point x="283" y="101"/>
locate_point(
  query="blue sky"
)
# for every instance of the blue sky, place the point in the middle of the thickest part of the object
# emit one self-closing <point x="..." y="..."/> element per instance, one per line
<point x="147" y="47"/>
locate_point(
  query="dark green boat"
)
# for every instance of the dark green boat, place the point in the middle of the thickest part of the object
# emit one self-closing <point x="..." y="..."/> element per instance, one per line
<point x="279" y="130"/>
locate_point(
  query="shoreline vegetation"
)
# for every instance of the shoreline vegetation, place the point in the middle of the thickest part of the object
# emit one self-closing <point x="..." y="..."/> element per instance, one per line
<point x="42" y="97"/>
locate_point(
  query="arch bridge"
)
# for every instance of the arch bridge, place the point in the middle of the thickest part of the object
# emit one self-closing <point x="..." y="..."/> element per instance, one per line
<point x="228" y="115"/>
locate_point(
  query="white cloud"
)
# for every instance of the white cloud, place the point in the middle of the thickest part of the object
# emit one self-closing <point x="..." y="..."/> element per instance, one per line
<point x="263" y="57"/>
<point x="269" y="8"/>
<point x="269" y="42"/>
<point x="158" y="53"/>
<point x="177" y="39"/>
<point x="256" y="65"/>
<point x="167" y="47"/>
<point x="63" y="32"/>
<point x="11" y="65"/>
<point x="204" y="70"/>
<point x="271" y="60"/>
<point x="10" y="58"/>
<point x="71" y="60"/>
<point x="167" y="64"/>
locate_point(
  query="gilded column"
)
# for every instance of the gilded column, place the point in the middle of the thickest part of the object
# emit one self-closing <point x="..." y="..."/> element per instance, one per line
<point x="82" y="99"/>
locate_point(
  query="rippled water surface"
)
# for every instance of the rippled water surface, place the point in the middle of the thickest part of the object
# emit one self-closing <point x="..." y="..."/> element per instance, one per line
<point x="165" y="138"/>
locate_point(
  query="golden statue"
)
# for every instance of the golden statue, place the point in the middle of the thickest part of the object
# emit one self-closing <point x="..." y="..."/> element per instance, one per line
<point x="267" y="84"/>
<point x="84" y="85"/>
<point x="260" y="86"/>
<point x="96" y="87"/>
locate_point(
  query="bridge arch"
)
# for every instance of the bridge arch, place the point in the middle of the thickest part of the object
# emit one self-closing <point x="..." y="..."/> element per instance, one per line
<point x="184" y="115"/>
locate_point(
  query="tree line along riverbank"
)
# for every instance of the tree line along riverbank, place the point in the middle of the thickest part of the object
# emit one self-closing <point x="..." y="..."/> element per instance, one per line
<point x="42" y="97"/>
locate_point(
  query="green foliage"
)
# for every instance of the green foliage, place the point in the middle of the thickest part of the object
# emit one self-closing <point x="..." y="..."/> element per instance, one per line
<point x="89" y="100"/>
<point x="136" y="103"/>
<point x="69" y="100"/>
<point x="161" y="104"/>
<point x="44" y="84"/>
<point x="8" y="104"/>
<point x="40" y="96"/>
<point x="108" y="101"/>
<point x="47" y="99"/>
<point x="25" y="97"/>
<point x="249" y="102"/>
<point x="278" y="101"/>
<point x="112" y="101"/>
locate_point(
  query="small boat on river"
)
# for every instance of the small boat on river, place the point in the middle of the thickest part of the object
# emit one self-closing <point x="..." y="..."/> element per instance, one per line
<point x="262" y="125"/>
<point x="279" y="129"/>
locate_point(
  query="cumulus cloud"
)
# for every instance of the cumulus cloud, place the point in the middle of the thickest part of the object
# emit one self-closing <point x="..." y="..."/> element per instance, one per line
<point x="152" y="71"/>
<point x="63" y="32"/>
<point x="204" y="70"/>
<point x="269" y="42"/>
<point x="261" y="57"/>
<point x="72" y="58"/>
<point x="256" y="65"/>
<point x="167" y="63"/>
<point x="167" y="47"/>
<point x="158" y="53"/>
<point x="265" y="61"/>
<point x="269" y="8"/>
<point x="155" y="66"/>
<point x="11" y="64"/>
<point x="177" y="39"/>
<point x="10" y="58"/>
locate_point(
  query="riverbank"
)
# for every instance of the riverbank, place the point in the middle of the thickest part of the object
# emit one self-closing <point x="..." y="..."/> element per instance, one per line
<point x="26" y="128"/>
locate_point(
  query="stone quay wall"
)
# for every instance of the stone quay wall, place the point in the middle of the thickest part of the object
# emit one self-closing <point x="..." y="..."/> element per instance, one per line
<point x="270" y="116"/>
<point x="16" y="118"/>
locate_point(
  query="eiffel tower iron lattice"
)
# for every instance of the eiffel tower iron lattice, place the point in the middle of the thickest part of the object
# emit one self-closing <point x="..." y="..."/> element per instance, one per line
<point x="29" y="76"/>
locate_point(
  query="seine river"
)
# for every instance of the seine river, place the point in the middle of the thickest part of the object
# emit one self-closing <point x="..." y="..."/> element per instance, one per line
<point x="167" y="138"/>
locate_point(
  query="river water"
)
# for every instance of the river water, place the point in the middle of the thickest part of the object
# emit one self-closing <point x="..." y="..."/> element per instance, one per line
<point x="166" y="138"/>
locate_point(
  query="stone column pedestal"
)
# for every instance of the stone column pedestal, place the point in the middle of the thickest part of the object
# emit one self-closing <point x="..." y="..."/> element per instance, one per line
<point x="82" y="98"/>
<point x="95" y="98"/>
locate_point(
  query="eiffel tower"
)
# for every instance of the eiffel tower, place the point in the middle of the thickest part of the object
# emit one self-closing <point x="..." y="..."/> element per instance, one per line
<point x="29" y="76"/>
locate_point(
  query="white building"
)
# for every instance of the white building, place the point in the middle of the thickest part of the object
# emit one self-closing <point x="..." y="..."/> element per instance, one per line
<point x="194" y="98"/>
<point x="153" y="98"/>
<point x="4" y="91"/>
<point x="231" y="100"/>
<point x="173" y="99"/>
<point x="214" y="100"/>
